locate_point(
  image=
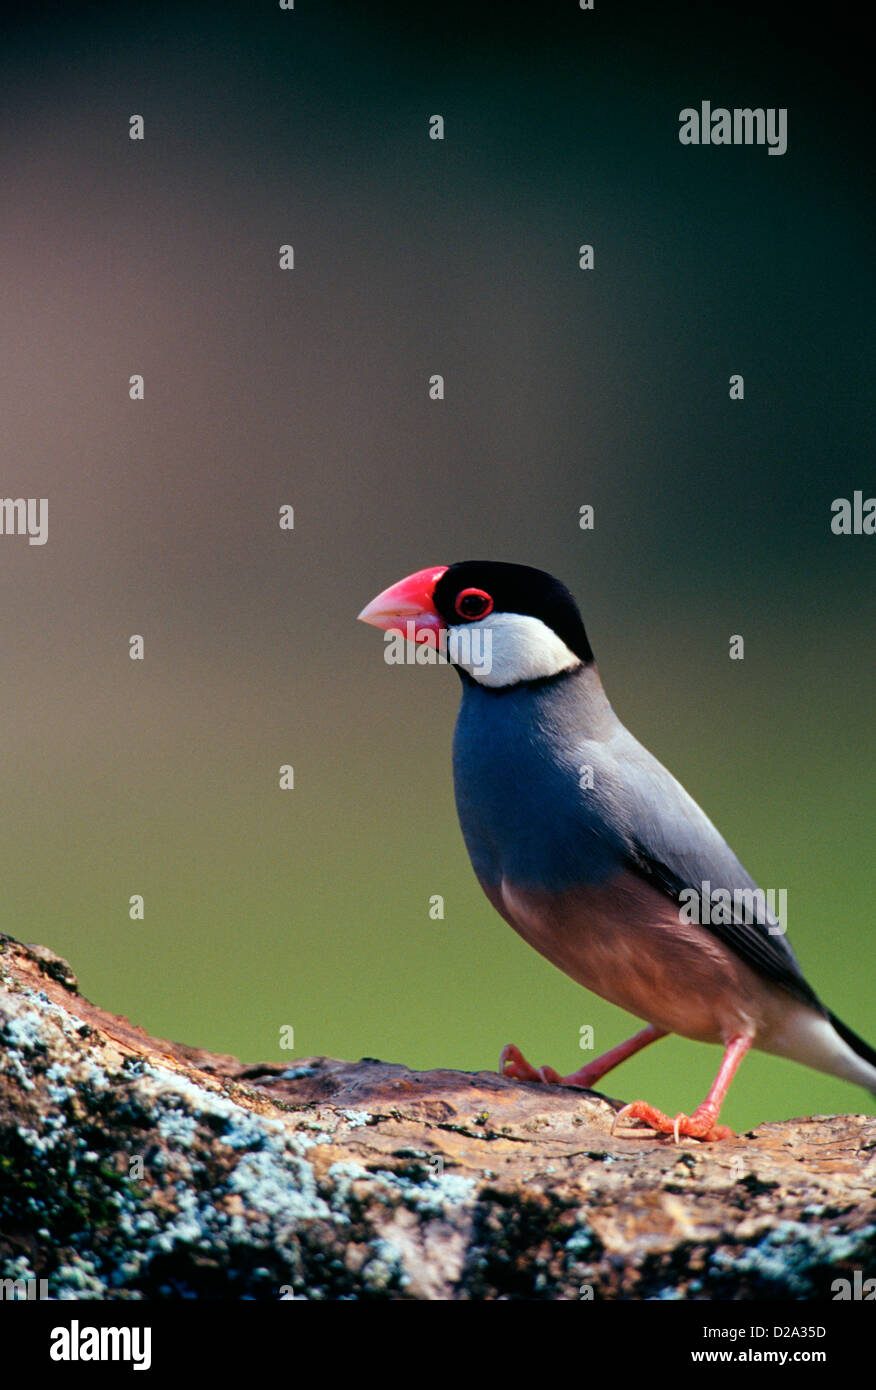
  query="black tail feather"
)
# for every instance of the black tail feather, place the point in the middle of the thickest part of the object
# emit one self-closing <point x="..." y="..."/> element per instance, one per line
<point x="864" y="1050"/>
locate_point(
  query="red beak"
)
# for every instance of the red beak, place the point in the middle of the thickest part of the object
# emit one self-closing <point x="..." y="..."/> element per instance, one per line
<point x="408" y="606"/>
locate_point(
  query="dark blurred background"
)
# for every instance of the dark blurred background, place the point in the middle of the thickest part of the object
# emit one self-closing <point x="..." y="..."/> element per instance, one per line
<point x="310" y="908"/>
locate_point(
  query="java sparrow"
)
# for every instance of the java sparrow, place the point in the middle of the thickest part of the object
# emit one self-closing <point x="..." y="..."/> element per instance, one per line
<point x="588" y="846"/>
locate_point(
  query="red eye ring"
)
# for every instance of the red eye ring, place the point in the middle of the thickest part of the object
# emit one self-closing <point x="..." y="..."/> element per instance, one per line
<point x="472" y="604"/>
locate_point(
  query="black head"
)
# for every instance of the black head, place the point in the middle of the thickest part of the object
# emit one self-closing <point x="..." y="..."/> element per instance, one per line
<point x="474" y="588"/>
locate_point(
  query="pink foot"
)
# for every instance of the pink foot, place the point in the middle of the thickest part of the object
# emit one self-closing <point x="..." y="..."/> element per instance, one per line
<point x="700" y="1125"/>
<point x="514" y="1065"/>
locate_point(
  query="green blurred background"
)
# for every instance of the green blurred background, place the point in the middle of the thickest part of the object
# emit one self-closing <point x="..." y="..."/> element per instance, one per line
<point x="310" y="908"/>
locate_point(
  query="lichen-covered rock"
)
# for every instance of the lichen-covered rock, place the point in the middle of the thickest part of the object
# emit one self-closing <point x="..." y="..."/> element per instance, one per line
<point x="135" y="1168"/>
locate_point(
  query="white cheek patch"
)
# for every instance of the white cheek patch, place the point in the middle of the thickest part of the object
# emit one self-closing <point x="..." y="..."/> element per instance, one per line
<point x="505" y="648"/>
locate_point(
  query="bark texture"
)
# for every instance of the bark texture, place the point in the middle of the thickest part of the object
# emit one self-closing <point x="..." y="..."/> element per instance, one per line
<point x="132" y="1167"/>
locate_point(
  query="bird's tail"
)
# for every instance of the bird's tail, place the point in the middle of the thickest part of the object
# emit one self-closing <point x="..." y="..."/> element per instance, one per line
<point x="820" y="1040"/>
<point x="862" y="1050"/>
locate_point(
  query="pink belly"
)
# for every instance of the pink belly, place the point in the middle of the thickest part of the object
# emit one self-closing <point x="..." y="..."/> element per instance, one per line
<point x="625" y="942"/>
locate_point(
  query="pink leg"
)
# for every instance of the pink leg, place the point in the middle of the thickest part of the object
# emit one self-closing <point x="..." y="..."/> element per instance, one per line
<point x="514" y="1065"/>
<point x="702" y="1124"/>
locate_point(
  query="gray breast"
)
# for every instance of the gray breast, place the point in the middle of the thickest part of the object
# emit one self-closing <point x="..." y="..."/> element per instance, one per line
<point x="520" y="760"/>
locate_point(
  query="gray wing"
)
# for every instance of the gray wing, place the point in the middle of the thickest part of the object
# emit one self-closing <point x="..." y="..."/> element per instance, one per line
<point x="671" y="842"/>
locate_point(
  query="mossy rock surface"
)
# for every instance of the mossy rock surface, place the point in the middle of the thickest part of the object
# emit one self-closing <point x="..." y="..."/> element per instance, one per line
<point x="132" y="1168"/>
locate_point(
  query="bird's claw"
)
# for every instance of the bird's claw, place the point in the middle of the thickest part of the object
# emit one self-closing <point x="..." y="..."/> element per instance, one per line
<point x="700" y="1125"/>
<point x="514" y="1065"/>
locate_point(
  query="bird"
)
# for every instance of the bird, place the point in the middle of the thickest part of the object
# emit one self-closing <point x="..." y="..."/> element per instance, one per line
<point x="595" y="854"/>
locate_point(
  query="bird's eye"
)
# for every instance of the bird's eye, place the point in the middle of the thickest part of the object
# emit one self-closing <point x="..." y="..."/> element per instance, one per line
<point x="473" y="603"/>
